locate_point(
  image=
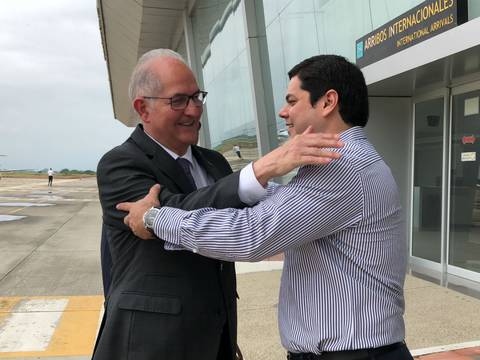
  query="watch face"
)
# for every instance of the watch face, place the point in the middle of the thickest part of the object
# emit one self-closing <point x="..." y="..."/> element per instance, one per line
<point x="150" y="217"/>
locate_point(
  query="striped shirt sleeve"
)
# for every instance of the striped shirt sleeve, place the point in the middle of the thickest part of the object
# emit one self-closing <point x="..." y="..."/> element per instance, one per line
<point x="318" y="202"/>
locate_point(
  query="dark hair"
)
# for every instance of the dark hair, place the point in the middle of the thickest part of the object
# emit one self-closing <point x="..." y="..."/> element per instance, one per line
<point x="321" y="73"/>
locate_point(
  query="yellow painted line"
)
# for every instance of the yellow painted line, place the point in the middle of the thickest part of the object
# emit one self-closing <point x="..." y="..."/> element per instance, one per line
<point x="75" y="335"/>
<point x="76" y="331"/>
<point x="15" y="211"/>
<point x="6" y="306"/>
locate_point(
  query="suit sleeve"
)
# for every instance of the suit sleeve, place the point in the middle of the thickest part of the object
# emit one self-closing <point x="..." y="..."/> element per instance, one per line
<point x="123" y="178"/>
<point x="223" y="194"/>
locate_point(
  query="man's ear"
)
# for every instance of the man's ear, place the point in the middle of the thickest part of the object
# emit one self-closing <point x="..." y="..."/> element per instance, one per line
<point x="141" y="108"/>
<point x="330" y="102"/>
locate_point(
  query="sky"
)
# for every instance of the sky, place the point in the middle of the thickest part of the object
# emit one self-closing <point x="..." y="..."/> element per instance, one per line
<point x="55" y="105"/>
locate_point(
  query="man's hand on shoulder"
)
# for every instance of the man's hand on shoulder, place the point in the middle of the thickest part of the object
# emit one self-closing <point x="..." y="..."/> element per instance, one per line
<point x="307" y="148"/>
<point x="136" y="211"/>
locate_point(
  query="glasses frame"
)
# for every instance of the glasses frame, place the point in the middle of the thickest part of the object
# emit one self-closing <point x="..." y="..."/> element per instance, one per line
<point x="189" y="97"/>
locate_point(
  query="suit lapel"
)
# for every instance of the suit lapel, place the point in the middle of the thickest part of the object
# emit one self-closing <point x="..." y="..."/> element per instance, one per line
<point x="209" y="167"/>
<point x="164" y="164"/>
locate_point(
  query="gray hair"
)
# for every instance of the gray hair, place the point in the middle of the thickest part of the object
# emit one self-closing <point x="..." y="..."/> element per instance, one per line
<point x="142" y="79"/>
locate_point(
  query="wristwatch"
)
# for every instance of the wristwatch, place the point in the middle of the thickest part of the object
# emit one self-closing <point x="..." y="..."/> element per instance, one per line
<point x="149" y="218"/>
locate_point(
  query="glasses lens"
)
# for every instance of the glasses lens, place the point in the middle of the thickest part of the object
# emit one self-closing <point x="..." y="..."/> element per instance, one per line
<point x="200" y="98"/>
<point x="179" y="102"/>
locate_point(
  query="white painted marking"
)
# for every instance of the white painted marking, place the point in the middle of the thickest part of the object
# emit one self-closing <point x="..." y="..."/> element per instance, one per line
<point x="42" y="193"/>
<point x="451" y="347"/>
<point x="31" y="326"/>
<point x="245" y="267"/>
<point x="10" y="217"/>
<point x="48" y="197"/>
<point x="41" y="305"/>
<point x="19" y="204"/>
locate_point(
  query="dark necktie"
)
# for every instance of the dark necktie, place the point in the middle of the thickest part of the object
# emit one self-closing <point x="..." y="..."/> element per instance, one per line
<point x="185" y="164"/>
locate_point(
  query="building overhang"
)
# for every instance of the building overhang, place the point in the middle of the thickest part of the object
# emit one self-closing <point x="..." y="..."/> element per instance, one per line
<point x="445" y="60"/>
<point x="129" y="28"/>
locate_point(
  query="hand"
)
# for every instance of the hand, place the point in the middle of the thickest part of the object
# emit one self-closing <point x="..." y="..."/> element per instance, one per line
<point x="304" y="149"/>
<point x="137" y="209"/>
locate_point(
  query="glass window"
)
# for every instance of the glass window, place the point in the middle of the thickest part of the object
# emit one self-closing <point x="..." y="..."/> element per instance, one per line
<point x="473" y="9"/>
<point x="279" y="76"/>
<point x="182" y="48"/>
<point x="231" y="116"/>
<point x="272" y="8"/>
<point x="297" y="25"/>
<point x="291" y="37"/>
<point x="427" y="183"/>
<point x="383" y="11"/>
<point x="464" y="249"/>
<point x="204" y="17"/>
<point x="297" y="29"/>
<point x="354" y="20"/>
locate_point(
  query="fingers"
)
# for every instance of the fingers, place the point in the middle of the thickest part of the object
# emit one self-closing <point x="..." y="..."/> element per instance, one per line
<point x="315" y="160"/>
<point x="309" y="133"/>
<point x="154" y="191"/>
<point x="326" y="154"/>
<point x="320" y="140"/>
<point x="137" y="229"/>
<point x="318" y="153"/>
<point x="325" y="143"/>
<point x="125" y="206"/>
<point x="316" y="145"/>
<point x="321" y="137"/>
<point x="308" y="130"/>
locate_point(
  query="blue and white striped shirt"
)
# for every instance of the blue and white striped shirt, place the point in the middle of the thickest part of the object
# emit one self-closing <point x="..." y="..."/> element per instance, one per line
<point x="342" y="232"/>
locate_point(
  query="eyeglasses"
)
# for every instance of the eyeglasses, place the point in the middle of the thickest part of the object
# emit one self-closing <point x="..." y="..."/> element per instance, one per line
<point x="180" y="102"/>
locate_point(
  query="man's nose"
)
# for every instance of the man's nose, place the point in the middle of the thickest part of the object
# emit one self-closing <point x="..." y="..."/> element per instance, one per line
<point x="192" y="109"/>
<point x="283" y="113"/>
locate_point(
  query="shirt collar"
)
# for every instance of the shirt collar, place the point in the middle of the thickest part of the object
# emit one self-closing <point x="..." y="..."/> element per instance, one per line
<point x="188" y="155"/>
<point x="353" y="133"/>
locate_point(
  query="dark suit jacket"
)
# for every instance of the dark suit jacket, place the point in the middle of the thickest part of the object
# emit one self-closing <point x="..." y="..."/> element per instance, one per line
<point x="163" y="305"/>
<point x="106" y="260"/>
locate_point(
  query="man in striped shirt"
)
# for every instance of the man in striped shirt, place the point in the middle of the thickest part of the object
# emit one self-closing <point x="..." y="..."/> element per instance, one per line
<point x="339" y="225"/>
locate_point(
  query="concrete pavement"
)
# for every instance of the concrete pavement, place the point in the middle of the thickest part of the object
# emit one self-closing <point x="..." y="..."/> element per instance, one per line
<point x="50" y="279"/>
<point x="435" y="316"/>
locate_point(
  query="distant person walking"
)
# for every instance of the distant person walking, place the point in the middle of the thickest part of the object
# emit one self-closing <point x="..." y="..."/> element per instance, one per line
<point x="236" y="148"/>
<point x="50" y="177"/>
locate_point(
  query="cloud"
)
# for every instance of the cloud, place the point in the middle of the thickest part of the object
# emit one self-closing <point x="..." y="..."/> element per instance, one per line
<point x="56" y="108"/>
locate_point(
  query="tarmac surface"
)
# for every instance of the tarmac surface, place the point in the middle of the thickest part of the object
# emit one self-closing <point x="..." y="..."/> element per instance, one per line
<point x="50" y="285"/>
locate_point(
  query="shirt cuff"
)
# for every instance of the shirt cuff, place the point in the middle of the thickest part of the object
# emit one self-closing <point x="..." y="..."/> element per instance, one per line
<point x="167" y="224"/>
<point x="250" y="191"/>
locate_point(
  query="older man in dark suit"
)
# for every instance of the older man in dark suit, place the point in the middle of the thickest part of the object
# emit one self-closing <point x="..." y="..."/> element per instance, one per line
<point x="165" y="303"/>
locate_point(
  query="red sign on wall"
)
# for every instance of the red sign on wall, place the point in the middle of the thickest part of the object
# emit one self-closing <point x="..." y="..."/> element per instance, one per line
<point x="468" y="139"/>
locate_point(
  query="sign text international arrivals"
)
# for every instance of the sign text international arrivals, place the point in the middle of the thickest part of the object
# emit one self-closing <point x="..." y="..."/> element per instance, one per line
<point x="424" y="21"/>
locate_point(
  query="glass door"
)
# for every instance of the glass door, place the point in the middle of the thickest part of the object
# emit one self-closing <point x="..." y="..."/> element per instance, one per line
<point x="464" y="234"/>
<point x="427" y="180"/>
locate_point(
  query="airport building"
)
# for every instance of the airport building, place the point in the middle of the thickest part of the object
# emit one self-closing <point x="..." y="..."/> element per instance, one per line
<point x="421" y="61"/>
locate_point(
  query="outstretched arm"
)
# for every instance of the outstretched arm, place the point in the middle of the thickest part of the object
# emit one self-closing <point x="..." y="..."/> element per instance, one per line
<point x="307" y="148"/>
<point x="309" y="208"/>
